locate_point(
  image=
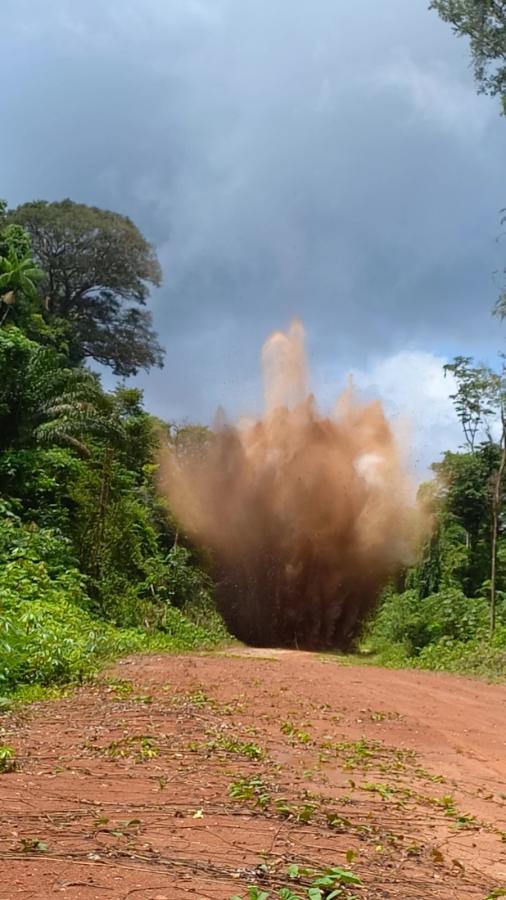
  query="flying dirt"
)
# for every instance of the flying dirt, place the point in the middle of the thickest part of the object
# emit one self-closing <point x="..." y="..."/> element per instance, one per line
<point x="306" y="516"/>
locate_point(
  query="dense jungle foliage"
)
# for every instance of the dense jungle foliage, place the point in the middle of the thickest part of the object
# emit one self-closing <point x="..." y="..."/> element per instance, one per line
<point x="90" y="564"/>
<point x="449" y="611"/>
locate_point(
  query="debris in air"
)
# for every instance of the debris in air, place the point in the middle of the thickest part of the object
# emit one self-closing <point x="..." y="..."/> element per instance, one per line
<point x="306" y="515"/>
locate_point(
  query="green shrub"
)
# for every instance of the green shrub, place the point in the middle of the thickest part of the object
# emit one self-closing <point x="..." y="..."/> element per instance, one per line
<point x="47" y="641"/>
<point x="414" y="623"/>
<point x="185" y="584"/>
<point x="19" y="541"/>
<point x="190" y="634"/>
<point x="476" y="657"/>
<point x="47" y="633"/>
<point x="446" y="631"/>
<point x="28" y="580"/>
<point x="41" y="481"/>
<point x="53" y="641"/>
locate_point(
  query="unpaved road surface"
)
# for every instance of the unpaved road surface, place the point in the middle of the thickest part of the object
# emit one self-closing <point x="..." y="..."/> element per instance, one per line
<point x="197" y="776"/>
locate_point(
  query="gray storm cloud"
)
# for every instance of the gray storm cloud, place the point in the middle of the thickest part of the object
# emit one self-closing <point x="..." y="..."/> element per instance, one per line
<point x="325" y="160"/>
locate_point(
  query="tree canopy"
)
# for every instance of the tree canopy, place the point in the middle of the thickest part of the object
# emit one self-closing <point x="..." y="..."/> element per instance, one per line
<point x="98" y="269"/>
<point x="484" y="23"/>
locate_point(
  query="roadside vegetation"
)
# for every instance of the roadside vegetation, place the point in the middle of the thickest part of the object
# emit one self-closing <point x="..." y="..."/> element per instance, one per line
<point x="449" y="611"/>
<point x="91" y="564"/>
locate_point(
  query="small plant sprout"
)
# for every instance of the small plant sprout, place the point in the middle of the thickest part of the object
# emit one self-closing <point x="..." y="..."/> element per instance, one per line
<point x="308" y="884"/>
<point x="7" y="759"/>
<point x="140" y="748"/>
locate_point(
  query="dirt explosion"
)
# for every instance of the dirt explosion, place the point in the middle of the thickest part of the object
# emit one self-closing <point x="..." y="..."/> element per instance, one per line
<point x="306" y="515"/>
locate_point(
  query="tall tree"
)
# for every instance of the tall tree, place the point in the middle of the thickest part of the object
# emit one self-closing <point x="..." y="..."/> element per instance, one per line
<point x="472" y="399"/>
<point x="19" y="274"/>
<point x="480" y="399"/>
<point x="18" y="278"/>
<point x="484" y="23"/>
<point x="98" y="269"/>
<point x="42" y="402"/>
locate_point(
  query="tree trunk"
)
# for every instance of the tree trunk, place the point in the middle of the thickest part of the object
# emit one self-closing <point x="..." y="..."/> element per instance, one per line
<point x="103" y="503"/>
<point x="496" y="515"/>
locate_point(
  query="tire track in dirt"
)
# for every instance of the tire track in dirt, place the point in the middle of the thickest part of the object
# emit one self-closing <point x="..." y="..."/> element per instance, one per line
<point x="196" y="776"/>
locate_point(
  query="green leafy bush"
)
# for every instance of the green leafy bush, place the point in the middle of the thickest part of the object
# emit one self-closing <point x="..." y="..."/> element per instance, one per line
<point x="43" y="641"/>
<point x="446" y="631"/>
<point x="46" y="638"/>
<point x="481" y="656"/>
<point x="184" y="585"/>
<point x="414" y="623"/>
<point x="47" y="632"/>
<point x="32" y="544"/>
<point x="40" y="482"/>
<point x="188" y="634"/>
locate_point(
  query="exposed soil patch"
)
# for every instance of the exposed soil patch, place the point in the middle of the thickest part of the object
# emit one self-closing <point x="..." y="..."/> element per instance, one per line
<point x="197" y="776"/>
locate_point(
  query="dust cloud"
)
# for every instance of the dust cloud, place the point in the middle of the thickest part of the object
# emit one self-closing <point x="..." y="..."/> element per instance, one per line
<point x="306" y="516"/>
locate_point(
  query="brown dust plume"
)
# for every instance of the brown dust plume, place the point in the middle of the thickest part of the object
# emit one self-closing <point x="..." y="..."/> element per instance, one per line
<point x="306" y="515"/>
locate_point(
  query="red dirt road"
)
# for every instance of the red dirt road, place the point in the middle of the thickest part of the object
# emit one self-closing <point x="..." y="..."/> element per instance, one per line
<point x="196" y="776"/>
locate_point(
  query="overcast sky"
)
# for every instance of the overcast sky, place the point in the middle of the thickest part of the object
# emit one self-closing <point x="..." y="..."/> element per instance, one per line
<point x="322" y="158"/>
